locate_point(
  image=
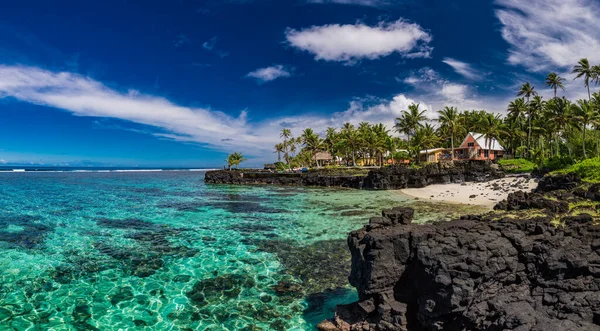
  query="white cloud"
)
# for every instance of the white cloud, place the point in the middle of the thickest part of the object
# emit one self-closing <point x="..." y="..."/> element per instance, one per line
<point x="350" y="43"/>
<point x="369" y="3"/>
<point x="546" y="34"/>
<point x="270" y="73"/>
<point x="454" y="92"/>
<point x="83" y="96"/>
<point x="463" y="68"/>
<point x="439" y="92"/>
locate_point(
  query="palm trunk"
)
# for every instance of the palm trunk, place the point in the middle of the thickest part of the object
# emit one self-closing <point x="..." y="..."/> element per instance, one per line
<point x="569" y="148"/>
<point x="583" y="143"/>
<point x="529" y="138"/>
<point x="597" y="148"/>
<point x="557" y="147"/>
<point x="452" y="143"/>
<point x="589" y="95"/>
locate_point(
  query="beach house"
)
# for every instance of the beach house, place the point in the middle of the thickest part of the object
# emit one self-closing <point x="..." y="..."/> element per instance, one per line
<point x="475" y="146"/>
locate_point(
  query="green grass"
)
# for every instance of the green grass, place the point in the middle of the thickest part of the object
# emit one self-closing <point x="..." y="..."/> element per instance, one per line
<point x="588" y="170"/>
<point x="514" y="166"/>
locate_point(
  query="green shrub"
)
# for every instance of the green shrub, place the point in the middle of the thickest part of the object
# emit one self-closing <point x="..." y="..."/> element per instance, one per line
<point x="588" y="170"/>
<point x="556" y="163"/>
<point x="281" y="166"/>
<point x="515" y="166"/>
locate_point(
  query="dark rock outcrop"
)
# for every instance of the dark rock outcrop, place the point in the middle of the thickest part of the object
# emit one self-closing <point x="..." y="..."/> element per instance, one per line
<point x="397" y="177"/>
<point x="476" y="273"/>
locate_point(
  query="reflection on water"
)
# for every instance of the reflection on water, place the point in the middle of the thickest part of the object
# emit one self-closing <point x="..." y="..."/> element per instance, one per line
<point x="163" y="251"/>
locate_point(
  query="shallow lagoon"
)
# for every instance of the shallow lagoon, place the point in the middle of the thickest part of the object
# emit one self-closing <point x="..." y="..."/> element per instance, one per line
<point x="164" y="251"/>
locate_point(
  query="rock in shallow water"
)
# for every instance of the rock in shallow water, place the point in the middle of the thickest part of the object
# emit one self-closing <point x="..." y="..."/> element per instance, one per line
<point x="475" y="274"/>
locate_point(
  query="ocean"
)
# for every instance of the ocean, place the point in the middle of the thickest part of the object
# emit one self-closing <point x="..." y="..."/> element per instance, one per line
<point x="159" y="250"/>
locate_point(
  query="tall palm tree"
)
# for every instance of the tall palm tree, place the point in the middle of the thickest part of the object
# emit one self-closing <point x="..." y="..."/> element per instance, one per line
<point x="586" y="114"/>
<point x="312" y="142"/>
<point x="534" y="108"/>
<point x="279" y="149"/>
<point x="425" y="138"/>
<point x="450" y="120"/>
<point x="527" y="91"/>
<point x="516" y="112"/>
<point x="559" y="116"/>
<point x="349" y="140"/>
<point x="583" y="69"/>
<point x="555" y="81"/>
<point x="331" y="137"/>
<point x="380" y="134"/>
<point x="410" y="120"/>
<point x="286" y="134"/>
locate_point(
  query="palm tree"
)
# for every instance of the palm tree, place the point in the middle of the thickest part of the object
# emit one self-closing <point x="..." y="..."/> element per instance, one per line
<point x="234" y="160"/>
<point x="279" y="149"/>
<point x="331" y="138"/>
<point x="583" y="69"/>
<point x="586" y="114"/>
<point x="559" y="116"/>
<point x="312" y="142"/>
<point x="450" y="120"/>
<point x="491" y="128"/>
<point x="349" y="140"/>
<point x="410" y="120"/>
<point x="380" y="134"/>
<point x="555" y="81"/>
<point x="286" y="134"/>
<point x="535" y="107"/>
<point x="527" y="91"/>
<point x="425" y="138"/>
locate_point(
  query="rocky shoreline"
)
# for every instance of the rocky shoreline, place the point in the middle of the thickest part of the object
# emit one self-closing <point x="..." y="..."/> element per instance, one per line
<point x="397" y="177"/>
<point x="533" y="264"/>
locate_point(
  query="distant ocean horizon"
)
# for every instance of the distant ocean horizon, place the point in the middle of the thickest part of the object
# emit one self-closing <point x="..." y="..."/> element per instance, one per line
<point x="42" y="168"/>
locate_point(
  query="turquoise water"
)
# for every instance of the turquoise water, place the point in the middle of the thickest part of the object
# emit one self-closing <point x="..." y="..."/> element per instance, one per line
<point x="164" y="251"/>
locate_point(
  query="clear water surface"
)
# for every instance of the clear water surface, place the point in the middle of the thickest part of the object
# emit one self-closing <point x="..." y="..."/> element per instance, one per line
<point x="164" y="251"/>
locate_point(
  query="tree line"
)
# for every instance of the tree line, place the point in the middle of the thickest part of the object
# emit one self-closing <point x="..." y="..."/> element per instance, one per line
<point x="533" y="128"/>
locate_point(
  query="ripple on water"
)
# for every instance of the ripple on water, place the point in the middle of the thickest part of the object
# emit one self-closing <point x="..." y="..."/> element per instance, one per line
<point x="162" y="251"/>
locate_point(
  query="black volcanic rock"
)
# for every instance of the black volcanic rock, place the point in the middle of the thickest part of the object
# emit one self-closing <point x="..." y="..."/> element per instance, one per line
<point x="559" y="182"/>
<point x="482" y="272"/>
<point x="475" y="275"/>
<point x="395" y="177"/>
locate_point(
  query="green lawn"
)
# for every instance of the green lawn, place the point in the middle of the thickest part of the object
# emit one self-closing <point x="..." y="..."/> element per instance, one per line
<point x="515" y="166"/>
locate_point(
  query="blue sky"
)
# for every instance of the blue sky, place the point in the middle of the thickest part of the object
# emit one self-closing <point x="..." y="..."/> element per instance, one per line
<point x="183" y="83"/>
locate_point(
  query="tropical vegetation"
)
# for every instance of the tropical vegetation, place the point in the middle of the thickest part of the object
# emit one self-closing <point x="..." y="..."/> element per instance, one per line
<point x="234" y="160"/>
<point x="551" y="132"/>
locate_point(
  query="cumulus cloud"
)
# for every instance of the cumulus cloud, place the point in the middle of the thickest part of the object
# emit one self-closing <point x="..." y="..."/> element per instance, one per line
<point x="549" y="34"/>
<point x="463" y="68"/>
<point x="350" y="43"/>
<point x="270" y="73"/>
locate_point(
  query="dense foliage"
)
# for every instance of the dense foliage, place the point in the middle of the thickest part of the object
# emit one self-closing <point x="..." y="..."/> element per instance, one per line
<point x="549" y="133"/>
<point x="588" y="169"/>
<point x="234" y="160"/>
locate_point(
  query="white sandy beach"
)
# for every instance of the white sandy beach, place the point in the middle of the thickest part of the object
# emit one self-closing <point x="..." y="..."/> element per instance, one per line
<point x="484" y="194"/>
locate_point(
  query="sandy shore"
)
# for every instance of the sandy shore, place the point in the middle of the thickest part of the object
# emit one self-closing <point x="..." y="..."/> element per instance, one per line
<point x="483" y="194"/>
